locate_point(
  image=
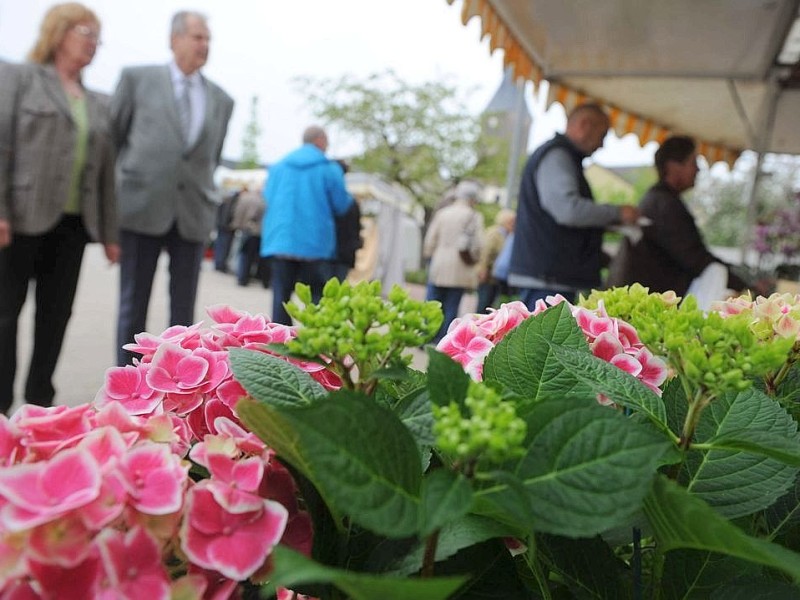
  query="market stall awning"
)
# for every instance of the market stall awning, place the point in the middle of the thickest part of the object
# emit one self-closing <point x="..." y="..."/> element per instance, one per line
<point x="721" y="71"/>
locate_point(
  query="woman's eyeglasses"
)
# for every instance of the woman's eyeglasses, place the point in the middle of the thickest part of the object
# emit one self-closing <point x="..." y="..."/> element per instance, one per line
<point x="88" y="33"/>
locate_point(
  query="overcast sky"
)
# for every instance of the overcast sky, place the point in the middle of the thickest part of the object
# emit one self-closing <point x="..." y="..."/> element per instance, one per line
<point x="259" y="46"/>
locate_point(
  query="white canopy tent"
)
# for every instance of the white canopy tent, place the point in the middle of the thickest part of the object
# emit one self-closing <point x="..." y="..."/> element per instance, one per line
<point x="723" y="71"/>
<point x="726" y="72"/>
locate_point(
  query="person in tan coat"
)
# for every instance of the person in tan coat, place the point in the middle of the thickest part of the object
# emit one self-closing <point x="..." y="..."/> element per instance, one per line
<point x="453" y="244"/>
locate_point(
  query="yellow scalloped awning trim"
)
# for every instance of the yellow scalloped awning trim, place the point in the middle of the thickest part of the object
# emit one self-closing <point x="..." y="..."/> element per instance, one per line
<point x="622" y="121"/>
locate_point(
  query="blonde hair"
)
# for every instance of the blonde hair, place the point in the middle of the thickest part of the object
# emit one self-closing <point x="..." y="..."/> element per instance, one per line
<point x="505" y="217"/>
<point x="57" y="21"/>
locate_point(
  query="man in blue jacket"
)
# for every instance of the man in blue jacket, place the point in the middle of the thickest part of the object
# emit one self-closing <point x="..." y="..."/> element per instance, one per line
<point x="305" y="192"/>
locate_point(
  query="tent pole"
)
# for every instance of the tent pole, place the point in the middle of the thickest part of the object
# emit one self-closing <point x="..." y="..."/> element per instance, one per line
<point x="760" y="146"/>
<point x="515" y="151"/>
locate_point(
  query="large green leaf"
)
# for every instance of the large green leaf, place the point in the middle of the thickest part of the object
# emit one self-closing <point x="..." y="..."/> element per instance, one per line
<point x="494" y="575"/>
<point x="604" y="378"/>
<point x="273" y="380"/>
<point x="681" y="520"/>
<point x="762" y="443"/>
<point x="738" y="482"/>
<point x="292" y="569"/>
<point x="524" y="361"/>
<point x="586" y="469"/>
<point x="359" y="456"/>
<point x="456" y="535"/>
<point x="588" y="567"/>
<point x="414" y="411"/>
<point x="447" y="381"/>
<point x="785" y="513"/>
<point x="695" y="574"/>
<point x="674" y="399"/>
<point x="446" y="496"/>
<point x="756" y="589"/>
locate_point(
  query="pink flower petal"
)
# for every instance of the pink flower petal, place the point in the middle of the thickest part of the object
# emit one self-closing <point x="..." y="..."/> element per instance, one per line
<point x="606" y="346"/>
<point x="627" y="363"/>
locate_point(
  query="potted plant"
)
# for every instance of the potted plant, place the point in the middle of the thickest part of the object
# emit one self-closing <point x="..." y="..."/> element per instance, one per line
<point x="628" y="446"/>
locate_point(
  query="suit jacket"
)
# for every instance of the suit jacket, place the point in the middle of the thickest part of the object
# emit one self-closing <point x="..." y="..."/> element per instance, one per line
<point x="159" y="181"/>
<point x="37" y="147"/>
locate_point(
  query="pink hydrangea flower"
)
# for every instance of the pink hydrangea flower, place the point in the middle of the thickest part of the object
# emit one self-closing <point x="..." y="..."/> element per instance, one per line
<point x="132" y="566"/>
<point x="155" y="478"/>
<point x="39" y="492"/>
<point x="96" y="499"/>
<point x="129" y="386"/>
<point x="235" y="544"/>
<point x="470" y="339"/>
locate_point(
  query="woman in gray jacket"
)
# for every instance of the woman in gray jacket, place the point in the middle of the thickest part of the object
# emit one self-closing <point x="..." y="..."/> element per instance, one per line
<point x="56" y="189"/>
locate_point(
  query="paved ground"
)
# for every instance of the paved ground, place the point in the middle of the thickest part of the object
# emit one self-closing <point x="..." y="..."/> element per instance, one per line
<point x="89" y="347"/>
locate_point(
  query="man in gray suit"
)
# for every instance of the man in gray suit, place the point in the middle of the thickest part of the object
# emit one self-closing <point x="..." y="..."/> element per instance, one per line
<point x="170" y="123"/>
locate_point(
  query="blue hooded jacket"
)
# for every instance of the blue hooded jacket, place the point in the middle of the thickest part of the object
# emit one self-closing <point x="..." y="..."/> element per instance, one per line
<point x="305" y="191"/>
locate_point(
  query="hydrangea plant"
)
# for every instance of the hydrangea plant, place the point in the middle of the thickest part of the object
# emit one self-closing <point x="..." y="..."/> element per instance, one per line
<point x="627" y="446"/>
<point x="155" y="489"/>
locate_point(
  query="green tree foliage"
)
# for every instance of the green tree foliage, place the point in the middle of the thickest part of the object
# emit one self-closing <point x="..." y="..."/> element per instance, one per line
<point x="250" y="140"/>
<point x="420" y="136"/>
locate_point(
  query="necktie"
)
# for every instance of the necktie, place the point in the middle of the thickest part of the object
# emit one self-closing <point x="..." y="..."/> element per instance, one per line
<point x="185" y="110"/>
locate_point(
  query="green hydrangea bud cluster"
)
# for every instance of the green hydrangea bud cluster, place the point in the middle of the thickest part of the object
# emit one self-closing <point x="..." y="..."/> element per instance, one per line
<point x="636" y="305"/>
<point x="711" y="353"/>
<point x="359" y="330"/>
<point x="492" y="430"/>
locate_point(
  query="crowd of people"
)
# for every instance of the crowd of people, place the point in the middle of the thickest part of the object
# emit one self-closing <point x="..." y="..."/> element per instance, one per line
<point x="134" y="172"/>
<point x="553" y="243"/>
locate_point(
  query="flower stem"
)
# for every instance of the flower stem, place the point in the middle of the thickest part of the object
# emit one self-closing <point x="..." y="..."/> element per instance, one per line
<point x="429" y="559"/>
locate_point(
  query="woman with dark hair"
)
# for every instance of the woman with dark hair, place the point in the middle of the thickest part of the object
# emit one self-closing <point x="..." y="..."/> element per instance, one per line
<point x="56" y="190"/>
<point x="671" y="252"/>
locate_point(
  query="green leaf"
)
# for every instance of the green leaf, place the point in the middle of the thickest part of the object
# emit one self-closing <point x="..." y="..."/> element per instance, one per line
<point x="457" y="535"/>
<point x="785" y="513"/>
<point x="524" y="362"/>
<point x="359" y="456"/>
<point x="697" y="573"/>
<point x="621" y="387"/>
<point x="681" y="520"/>
<point x="674" y="399"/>
<point x="494" y="573"/>
<point x="447" y="381"/>
<point x="585" y="470"/>
<point x="587" y="566"/>
<point x="414" y="411"/>
<point x="446" y="496"/>
<point x="785" y="450"/>
<point x="292" y="569"/>
<point x="273" y="380"/>
<point x="736" y="482"/>
<point x="751" y="588"/>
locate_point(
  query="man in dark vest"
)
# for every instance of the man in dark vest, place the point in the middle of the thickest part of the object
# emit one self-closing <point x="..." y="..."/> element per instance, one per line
<point x="559" y="233"/>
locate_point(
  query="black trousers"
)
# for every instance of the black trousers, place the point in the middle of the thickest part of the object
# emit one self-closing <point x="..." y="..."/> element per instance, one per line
<point x="138" y="264"/>
<point x="53" y="261"/>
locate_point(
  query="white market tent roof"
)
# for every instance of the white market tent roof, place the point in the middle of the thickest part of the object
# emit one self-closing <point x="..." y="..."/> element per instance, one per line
<point x="723" y="71"/>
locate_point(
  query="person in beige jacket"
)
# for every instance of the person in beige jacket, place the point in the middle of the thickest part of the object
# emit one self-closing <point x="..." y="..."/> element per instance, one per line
<point x="453" y="244"/>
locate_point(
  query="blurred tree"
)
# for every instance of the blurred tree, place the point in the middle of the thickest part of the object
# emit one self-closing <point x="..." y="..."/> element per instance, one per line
<point x="420" y="136"/>
<point x="252" y="131"/>
<point x="720" y="206"/>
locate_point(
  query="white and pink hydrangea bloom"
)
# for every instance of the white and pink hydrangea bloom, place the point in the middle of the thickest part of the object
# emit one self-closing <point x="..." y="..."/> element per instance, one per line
<point x="775" y="316"/>
<point x="470" y="339"/>
<point x="95" y="500"/>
